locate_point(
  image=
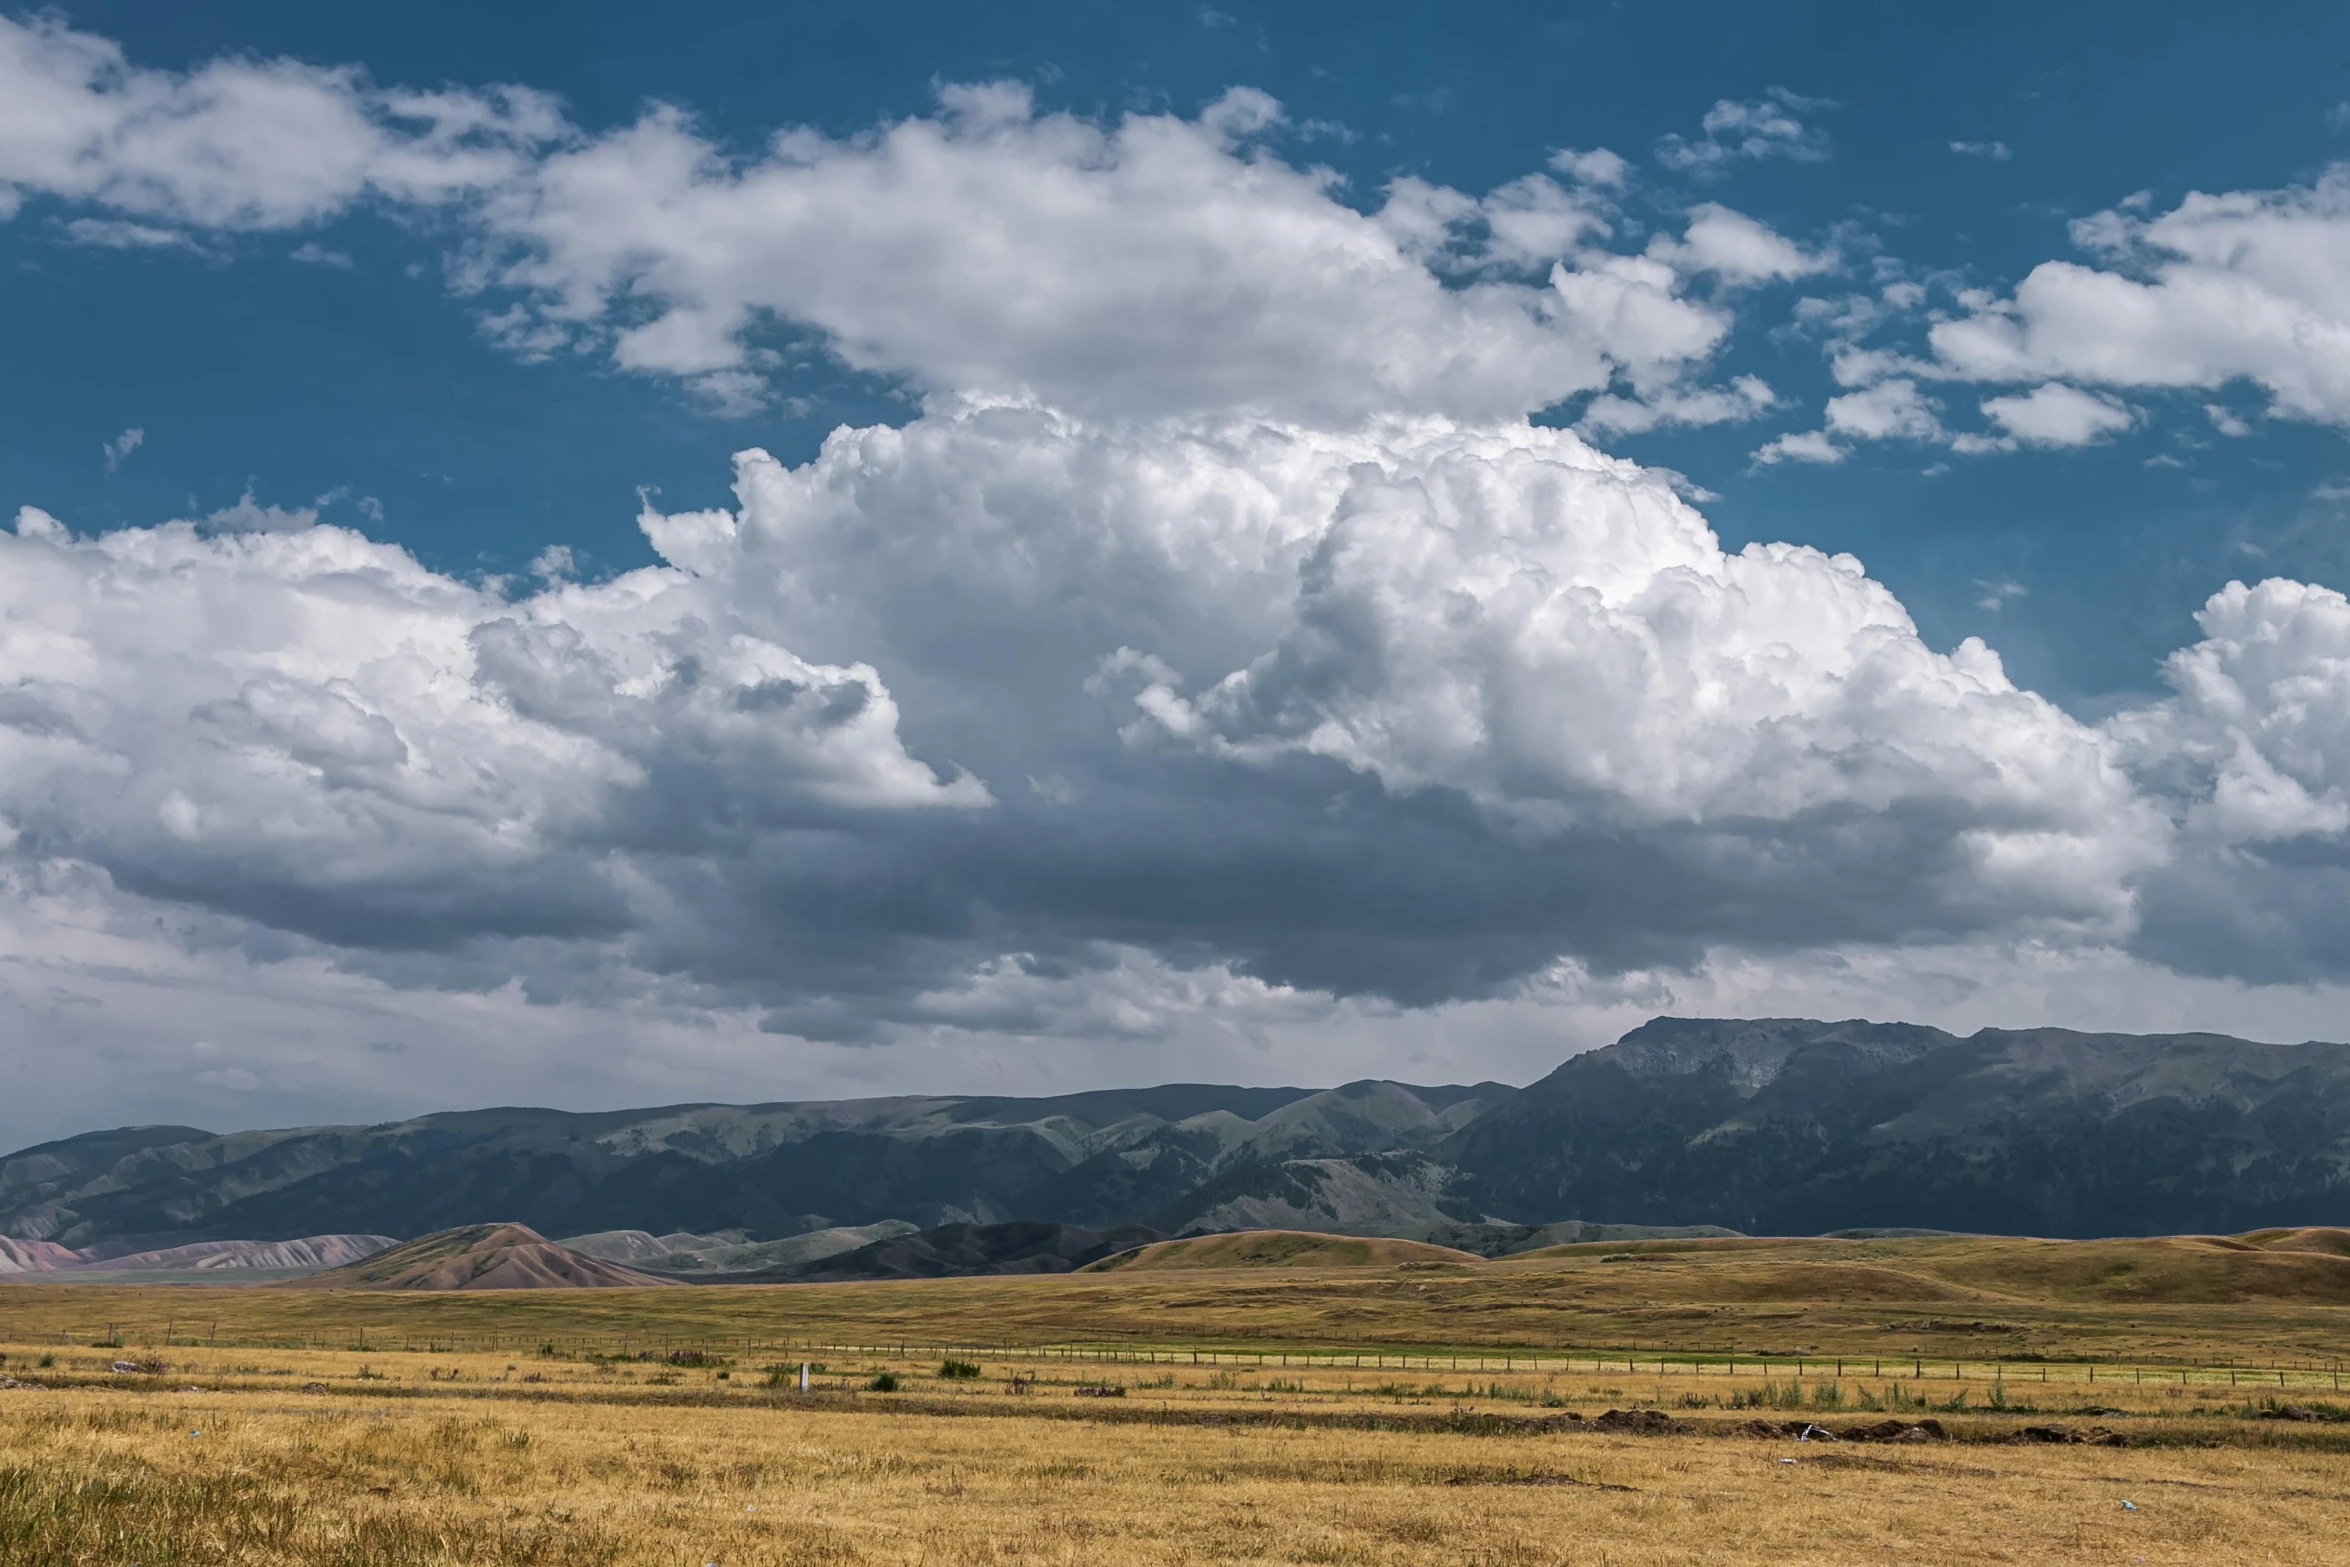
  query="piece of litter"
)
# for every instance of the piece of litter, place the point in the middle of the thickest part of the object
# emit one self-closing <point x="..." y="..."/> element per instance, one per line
<point x="2129" y="1507"/>
<point x="1786" y="1460"/>
<point x="195" y="1433"/>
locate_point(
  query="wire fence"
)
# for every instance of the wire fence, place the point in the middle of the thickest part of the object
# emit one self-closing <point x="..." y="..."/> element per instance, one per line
<point x="2290" y="1374"/>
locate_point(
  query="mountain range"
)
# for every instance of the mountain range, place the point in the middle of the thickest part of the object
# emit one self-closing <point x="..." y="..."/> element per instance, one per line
<point x="1783" y="1126"/>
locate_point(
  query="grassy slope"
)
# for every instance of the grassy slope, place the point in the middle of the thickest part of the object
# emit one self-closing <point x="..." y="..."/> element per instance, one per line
<point x="2201" y="1300"/>
<point x="1278" y="1249"/>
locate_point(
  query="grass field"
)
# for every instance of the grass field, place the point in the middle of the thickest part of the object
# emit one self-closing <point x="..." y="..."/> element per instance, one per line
<point x="485" y="1471"/>
<point x="2176" y="1301"/>
<point x="1279" y="1410"/>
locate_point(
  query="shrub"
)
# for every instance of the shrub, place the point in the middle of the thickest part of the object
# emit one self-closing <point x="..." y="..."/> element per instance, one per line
<point x="954" y="1370"/>
<point x="887" y="1382"/>
<point x="1771" y="1395"/>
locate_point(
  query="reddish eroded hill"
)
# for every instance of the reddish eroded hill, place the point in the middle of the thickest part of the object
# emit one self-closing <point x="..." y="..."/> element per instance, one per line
<point x="22" y="1256"/>
<point x="483" y="1257"/>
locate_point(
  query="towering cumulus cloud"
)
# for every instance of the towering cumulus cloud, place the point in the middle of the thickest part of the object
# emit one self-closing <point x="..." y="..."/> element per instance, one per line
<point x="1412" y="708"/>
<point x="311" y="731"/>
<point x="1224" y="631"/>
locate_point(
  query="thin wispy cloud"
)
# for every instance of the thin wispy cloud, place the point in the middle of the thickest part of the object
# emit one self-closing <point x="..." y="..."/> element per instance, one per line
<point x="119" y="449"/>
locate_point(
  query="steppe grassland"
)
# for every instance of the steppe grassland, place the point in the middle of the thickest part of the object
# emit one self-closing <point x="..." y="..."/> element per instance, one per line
<point x="450" y="1437"/>
<point x="1124" y="1386"/>
<point x="91" y="1476"/>
<point x="1985" y="1300"/>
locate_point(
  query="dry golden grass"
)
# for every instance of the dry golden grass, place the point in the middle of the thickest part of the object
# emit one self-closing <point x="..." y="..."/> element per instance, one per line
<point x="1370" y="1386"/>
<point x="1410" y="1409"/>
<point x="92" y="1476"/>
<point x="1281" y="1249"/>
<point x="2201" y="1301"/>
<point x="1388" y="1413"/>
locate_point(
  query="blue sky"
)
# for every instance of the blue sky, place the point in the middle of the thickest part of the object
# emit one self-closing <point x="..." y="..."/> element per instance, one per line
<point x="305" y="379"/>
<point x="2031" y="309"/>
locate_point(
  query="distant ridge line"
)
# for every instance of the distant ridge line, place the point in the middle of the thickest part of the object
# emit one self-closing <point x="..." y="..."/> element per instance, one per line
<point x="1758" y="1126"/>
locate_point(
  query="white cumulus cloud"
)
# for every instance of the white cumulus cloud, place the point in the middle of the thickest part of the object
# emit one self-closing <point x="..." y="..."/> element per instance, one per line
<point x="1150" y="267"/>
<point x="239" y="142"/>
<point x="310" y="731"/>
<point x="1768" y="127"/>
<point x="1889" y="410"/>
<point x="1219" y="639"/>
<point x="2241" y="286"/>
<point x="2051" y="415"/>
<point x="1737" y="249"/>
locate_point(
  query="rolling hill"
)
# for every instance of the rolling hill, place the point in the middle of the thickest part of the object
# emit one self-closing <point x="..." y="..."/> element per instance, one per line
<point x="1281" y="1249"/>
<point x="730" y="1252"/>
<point x="958" y="1251"/>
<point x="481" y="1257"/>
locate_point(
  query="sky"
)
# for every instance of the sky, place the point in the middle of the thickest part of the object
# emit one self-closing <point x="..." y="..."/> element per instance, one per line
<point x="775" y="551"/>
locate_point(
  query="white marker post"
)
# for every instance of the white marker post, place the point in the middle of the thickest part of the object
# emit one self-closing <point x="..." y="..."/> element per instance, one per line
<point x="803" y="1376"/>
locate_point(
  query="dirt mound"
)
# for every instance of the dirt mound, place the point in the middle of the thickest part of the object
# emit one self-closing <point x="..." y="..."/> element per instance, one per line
<point x="1282" y="1249"/>
<point x="2061" y="1435"/>
<point x="481" y="1257"/>
<point x="1895" y="1431"/>
<point x="1641" y="1422"/>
